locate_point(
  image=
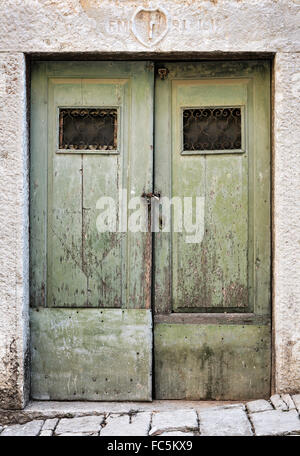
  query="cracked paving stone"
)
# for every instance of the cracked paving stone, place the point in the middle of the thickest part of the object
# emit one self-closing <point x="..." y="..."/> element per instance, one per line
<point x="32" y="428"/>
<point x="296" y="399"/>
<point x="177" y="420"/>
<point x="219" y="422"/>
<point x="289" y="401"/>
<point x="120" y="425"/>
<point x="276" y="422"/>
<point x="50" y="424"/>
<point x="258" y="406"/>
<point x="278" y="403"/>
<point x="80" y="425"/>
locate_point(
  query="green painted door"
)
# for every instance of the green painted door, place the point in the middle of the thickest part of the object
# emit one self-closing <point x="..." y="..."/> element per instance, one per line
<point x="209" y="256"/>
<point x="212" y="277"/>
<point x="91" y="141"/>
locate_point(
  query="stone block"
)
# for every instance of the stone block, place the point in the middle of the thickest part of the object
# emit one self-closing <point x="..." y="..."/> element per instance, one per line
<point x="278" y="403"/>
<point x="125" y="425"/>
<point x="177" y="420"/>
<point x="50" y="424"/>
<point x="258" y="406"/>
<point x="276" y="422"/>
<point x="80" y="425"/>
<point x="46" y="433"/>
<point x="227" y="422"/>
<point x="30" y="429"/>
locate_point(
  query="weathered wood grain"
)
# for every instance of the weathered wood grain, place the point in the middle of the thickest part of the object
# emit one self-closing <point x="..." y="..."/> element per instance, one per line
<point x="91" y="354"/>
<point x="212" y="362"/>
<point x="72" y="263"/>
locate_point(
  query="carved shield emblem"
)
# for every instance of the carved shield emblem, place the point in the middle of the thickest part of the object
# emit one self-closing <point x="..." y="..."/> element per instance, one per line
<point x="150" y="25"/>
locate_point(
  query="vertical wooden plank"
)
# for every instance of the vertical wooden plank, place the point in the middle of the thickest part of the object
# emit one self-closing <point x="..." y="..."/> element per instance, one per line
<point x="103" y="177"/>
<point x="38" y="186"/>
<point x="162" y="270"/>
<point x="226" y="228"/>
<point x="262" y="192"/>
<point x="67" y="280"/>
<point x="140" y="180"/>
<point x="189" y="281"/>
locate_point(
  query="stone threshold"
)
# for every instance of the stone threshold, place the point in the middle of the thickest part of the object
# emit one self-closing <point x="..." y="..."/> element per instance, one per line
<point x="43" y="410"/>
<point x="277" y="416"/>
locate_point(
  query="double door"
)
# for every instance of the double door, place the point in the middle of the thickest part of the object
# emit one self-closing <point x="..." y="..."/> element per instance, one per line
<point x="150" y="230"/>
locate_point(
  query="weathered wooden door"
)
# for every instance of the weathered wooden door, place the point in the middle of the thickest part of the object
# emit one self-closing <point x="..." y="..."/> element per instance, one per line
<point x="212" y="291"/>
<point x="91" y="140"/>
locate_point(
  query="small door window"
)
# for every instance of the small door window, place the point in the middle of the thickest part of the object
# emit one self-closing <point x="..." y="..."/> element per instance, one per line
<point x="90" y="129"/>
<point x="211" y="129"/>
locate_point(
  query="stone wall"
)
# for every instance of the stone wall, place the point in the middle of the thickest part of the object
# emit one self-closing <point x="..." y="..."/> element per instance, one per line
<point x="286" y="220"/>
<point x="106" y="25"/>
<point x="116" y="26"/>
<point x="14" y="231"/>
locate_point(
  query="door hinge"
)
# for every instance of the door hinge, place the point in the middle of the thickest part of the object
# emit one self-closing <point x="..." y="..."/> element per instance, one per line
<point x="163" y="73"/>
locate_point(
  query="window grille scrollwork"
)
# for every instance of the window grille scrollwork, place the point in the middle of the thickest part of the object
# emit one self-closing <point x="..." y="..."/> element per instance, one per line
<point x="211" y="129"/>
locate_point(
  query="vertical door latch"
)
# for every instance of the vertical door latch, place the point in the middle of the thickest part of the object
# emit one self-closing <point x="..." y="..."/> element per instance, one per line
<point x="149" y="196"/>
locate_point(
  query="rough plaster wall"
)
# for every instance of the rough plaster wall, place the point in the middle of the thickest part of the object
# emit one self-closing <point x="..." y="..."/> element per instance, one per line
<point x="104" y="25"/>
<point x="14" y="231"/>
<point x="287" y="222"/>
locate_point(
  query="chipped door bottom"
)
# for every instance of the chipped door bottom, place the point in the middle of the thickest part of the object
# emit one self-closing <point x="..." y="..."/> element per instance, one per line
<point x="212" y="362"/>
<point x="91" y="354"/>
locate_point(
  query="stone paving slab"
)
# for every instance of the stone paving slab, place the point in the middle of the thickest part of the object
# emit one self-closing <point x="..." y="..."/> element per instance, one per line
<point x="81" y="425"/>
<point x="226" y="419"/>
<point x="126" y="425"/>
<point x="296" y="400"/>
<point x="30" y="429"/>
<point x="46" y="433"/>
<point x="224" y="422"/>
<point x="50" y="424"/>
<point x="258" y="406"/>
<point x="289" y="401"/>
<point x="276" y="422"/>
<point x="179" y="420"/>
<point x="278" y="403"/>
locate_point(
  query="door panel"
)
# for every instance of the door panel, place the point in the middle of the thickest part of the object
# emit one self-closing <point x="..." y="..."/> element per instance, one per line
<point x="91" y="354"/>
<point x="204" y="361"/>
<point x="85" y="283"/>
<point x="84" y="268"/>
<point x="227" y="274"/>
<point x="211" y="274"/>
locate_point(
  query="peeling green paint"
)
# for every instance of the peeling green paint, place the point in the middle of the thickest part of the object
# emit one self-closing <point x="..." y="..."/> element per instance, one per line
<point x="91" y="354"/>
<point x="212" y="362"/>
